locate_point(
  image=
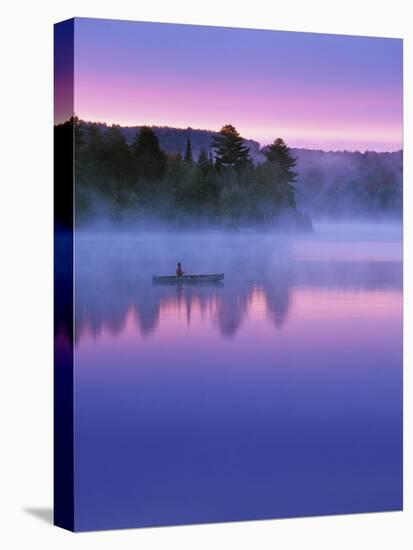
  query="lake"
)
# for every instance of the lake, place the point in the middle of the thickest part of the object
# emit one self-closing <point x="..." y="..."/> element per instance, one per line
<point x="276" y="393"/>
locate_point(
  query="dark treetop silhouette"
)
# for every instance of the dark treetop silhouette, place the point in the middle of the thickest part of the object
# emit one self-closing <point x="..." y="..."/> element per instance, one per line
<point x="141" y="181"/>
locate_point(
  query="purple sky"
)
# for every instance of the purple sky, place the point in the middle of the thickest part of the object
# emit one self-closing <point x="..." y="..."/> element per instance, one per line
<point x="314" y="90"/>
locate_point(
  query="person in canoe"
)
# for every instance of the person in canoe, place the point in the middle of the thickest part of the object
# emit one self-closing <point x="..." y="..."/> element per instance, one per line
<point x="179" y="270"/>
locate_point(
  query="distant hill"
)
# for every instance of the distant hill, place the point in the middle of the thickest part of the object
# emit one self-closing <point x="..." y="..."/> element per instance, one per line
<point x="173" y="140"/>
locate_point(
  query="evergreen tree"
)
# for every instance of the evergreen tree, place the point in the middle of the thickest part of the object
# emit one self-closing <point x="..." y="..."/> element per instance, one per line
<point x="175" y="175"/>
<point x="205" y="183"/>
<point x="203" y="161"/>
<point x="230" y="150"/>
<point x="117" y="157"/>
<point x="90" y="168"/>
<point x="188" y="152"/>
<point x="279" y="153"/>
<point x="149" y="158"/>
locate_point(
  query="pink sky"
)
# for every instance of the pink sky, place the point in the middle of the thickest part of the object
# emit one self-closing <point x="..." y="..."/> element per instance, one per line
<point x="315" y="91"/>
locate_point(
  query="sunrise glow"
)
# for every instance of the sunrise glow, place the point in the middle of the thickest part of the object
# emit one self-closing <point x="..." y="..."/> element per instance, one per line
<point x="317" y="91"/>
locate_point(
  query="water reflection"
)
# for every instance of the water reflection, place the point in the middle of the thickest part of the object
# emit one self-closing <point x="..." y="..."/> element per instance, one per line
<point x="105" y="300"/>
<point x="274" y="394"/>
<point x="226" y="308"/>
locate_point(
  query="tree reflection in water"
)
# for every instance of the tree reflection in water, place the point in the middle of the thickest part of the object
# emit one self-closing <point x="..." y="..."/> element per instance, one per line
<point x="103" y="300"/>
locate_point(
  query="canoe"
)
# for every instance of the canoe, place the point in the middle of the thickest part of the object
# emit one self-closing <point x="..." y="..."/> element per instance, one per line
<point x="188" y="278"/>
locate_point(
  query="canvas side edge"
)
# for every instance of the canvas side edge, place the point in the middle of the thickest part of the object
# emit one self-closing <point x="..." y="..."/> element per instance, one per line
<point x="63" y="171"/>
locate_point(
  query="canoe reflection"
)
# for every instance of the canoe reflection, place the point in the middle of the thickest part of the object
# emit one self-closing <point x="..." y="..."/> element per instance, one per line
<point x="192" y="284"/>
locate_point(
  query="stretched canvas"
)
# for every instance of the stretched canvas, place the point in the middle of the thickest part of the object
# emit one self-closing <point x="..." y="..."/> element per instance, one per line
<point x="228" y="274"/>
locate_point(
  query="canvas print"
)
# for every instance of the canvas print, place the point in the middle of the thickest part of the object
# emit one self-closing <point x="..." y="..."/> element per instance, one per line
<point x="228" y="274"/>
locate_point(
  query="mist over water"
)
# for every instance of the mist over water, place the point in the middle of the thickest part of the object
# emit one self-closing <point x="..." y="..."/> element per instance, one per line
<point x="275" y="393"/>
<point x="114" y="269"/>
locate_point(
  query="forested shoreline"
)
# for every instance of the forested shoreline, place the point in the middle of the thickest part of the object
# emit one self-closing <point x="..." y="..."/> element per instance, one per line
<point x="125" y="175"/>
<point x="141" y="183"/>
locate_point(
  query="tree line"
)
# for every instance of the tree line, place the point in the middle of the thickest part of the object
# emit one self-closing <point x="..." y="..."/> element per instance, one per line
<point x="221" y="186"/>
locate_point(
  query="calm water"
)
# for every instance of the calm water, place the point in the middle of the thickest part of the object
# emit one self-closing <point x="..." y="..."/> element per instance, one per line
<point x="275" y="394"/>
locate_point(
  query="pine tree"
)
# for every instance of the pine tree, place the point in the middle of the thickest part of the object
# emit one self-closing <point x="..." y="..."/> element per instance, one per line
<point x="203" y="161"/>
<point x="90" y="168"/>
<point x="117" y="158"/>
<point x="280" y="173"/>
<point x="188" y="152"/>
<point x="149" y="158"/>
<point x="230" y="150"/>
<point x="205" y="179"/>
<point x="279" y="153"/>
